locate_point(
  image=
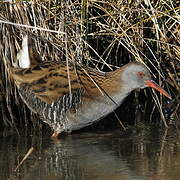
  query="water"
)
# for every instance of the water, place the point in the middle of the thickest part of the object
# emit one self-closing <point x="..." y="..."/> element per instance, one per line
<point x="146" y="153"/>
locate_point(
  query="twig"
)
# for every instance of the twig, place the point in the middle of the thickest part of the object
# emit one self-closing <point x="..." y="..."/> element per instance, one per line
<point x="25" y="157"/>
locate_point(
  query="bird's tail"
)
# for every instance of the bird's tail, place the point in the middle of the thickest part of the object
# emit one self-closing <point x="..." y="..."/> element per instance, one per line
<point x="27" y="56"/>
<point x="23" y="57"/>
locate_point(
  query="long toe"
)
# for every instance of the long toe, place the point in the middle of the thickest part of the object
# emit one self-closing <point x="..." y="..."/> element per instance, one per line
<point x="55" y="135"/>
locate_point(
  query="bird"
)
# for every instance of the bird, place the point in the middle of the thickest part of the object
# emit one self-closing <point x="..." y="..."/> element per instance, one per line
<point x="71" y="97"/>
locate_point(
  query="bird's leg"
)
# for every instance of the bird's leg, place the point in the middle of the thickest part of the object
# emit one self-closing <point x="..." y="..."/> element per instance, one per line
<point x="55" y="135"/>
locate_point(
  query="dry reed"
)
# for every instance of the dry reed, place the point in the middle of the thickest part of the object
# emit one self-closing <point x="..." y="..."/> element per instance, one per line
<point x="101" y="34"/>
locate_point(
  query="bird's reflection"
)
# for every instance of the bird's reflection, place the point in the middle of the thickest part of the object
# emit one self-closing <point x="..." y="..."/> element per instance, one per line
<point x="93" y="156"/>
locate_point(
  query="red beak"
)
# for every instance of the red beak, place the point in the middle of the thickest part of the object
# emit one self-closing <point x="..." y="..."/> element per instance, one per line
<point x="152" y="84"/>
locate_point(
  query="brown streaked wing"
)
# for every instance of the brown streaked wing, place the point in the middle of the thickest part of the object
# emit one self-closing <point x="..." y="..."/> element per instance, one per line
<point x="49" y="81"/>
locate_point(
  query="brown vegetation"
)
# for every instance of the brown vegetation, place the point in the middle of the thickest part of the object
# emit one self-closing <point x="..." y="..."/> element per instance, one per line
<point x="101" y="34"/>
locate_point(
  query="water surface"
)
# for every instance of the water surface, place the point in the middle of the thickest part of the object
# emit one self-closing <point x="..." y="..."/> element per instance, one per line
<point x="147" y="153"/>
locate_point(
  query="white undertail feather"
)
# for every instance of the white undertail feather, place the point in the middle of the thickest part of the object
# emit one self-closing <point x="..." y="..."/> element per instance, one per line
<point x="23" y="55"/>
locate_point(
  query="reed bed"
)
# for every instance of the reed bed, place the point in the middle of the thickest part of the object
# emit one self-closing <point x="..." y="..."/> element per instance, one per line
<point x="101" y="34"/>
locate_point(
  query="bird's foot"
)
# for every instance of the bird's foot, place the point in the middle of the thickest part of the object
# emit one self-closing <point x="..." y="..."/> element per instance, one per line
<point x="55" y="135"/>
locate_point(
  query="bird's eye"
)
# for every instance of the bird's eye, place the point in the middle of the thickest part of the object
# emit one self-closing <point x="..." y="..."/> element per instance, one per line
<point x="140" y="74"/>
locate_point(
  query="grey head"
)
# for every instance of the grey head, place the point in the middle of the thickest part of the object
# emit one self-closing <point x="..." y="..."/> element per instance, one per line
<point x="135" y="75"/>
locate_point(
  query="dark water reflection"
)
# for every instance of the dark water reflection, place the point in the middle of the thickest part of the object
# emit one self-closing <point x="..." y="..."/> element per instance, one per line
<point x="145" y="154"/>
